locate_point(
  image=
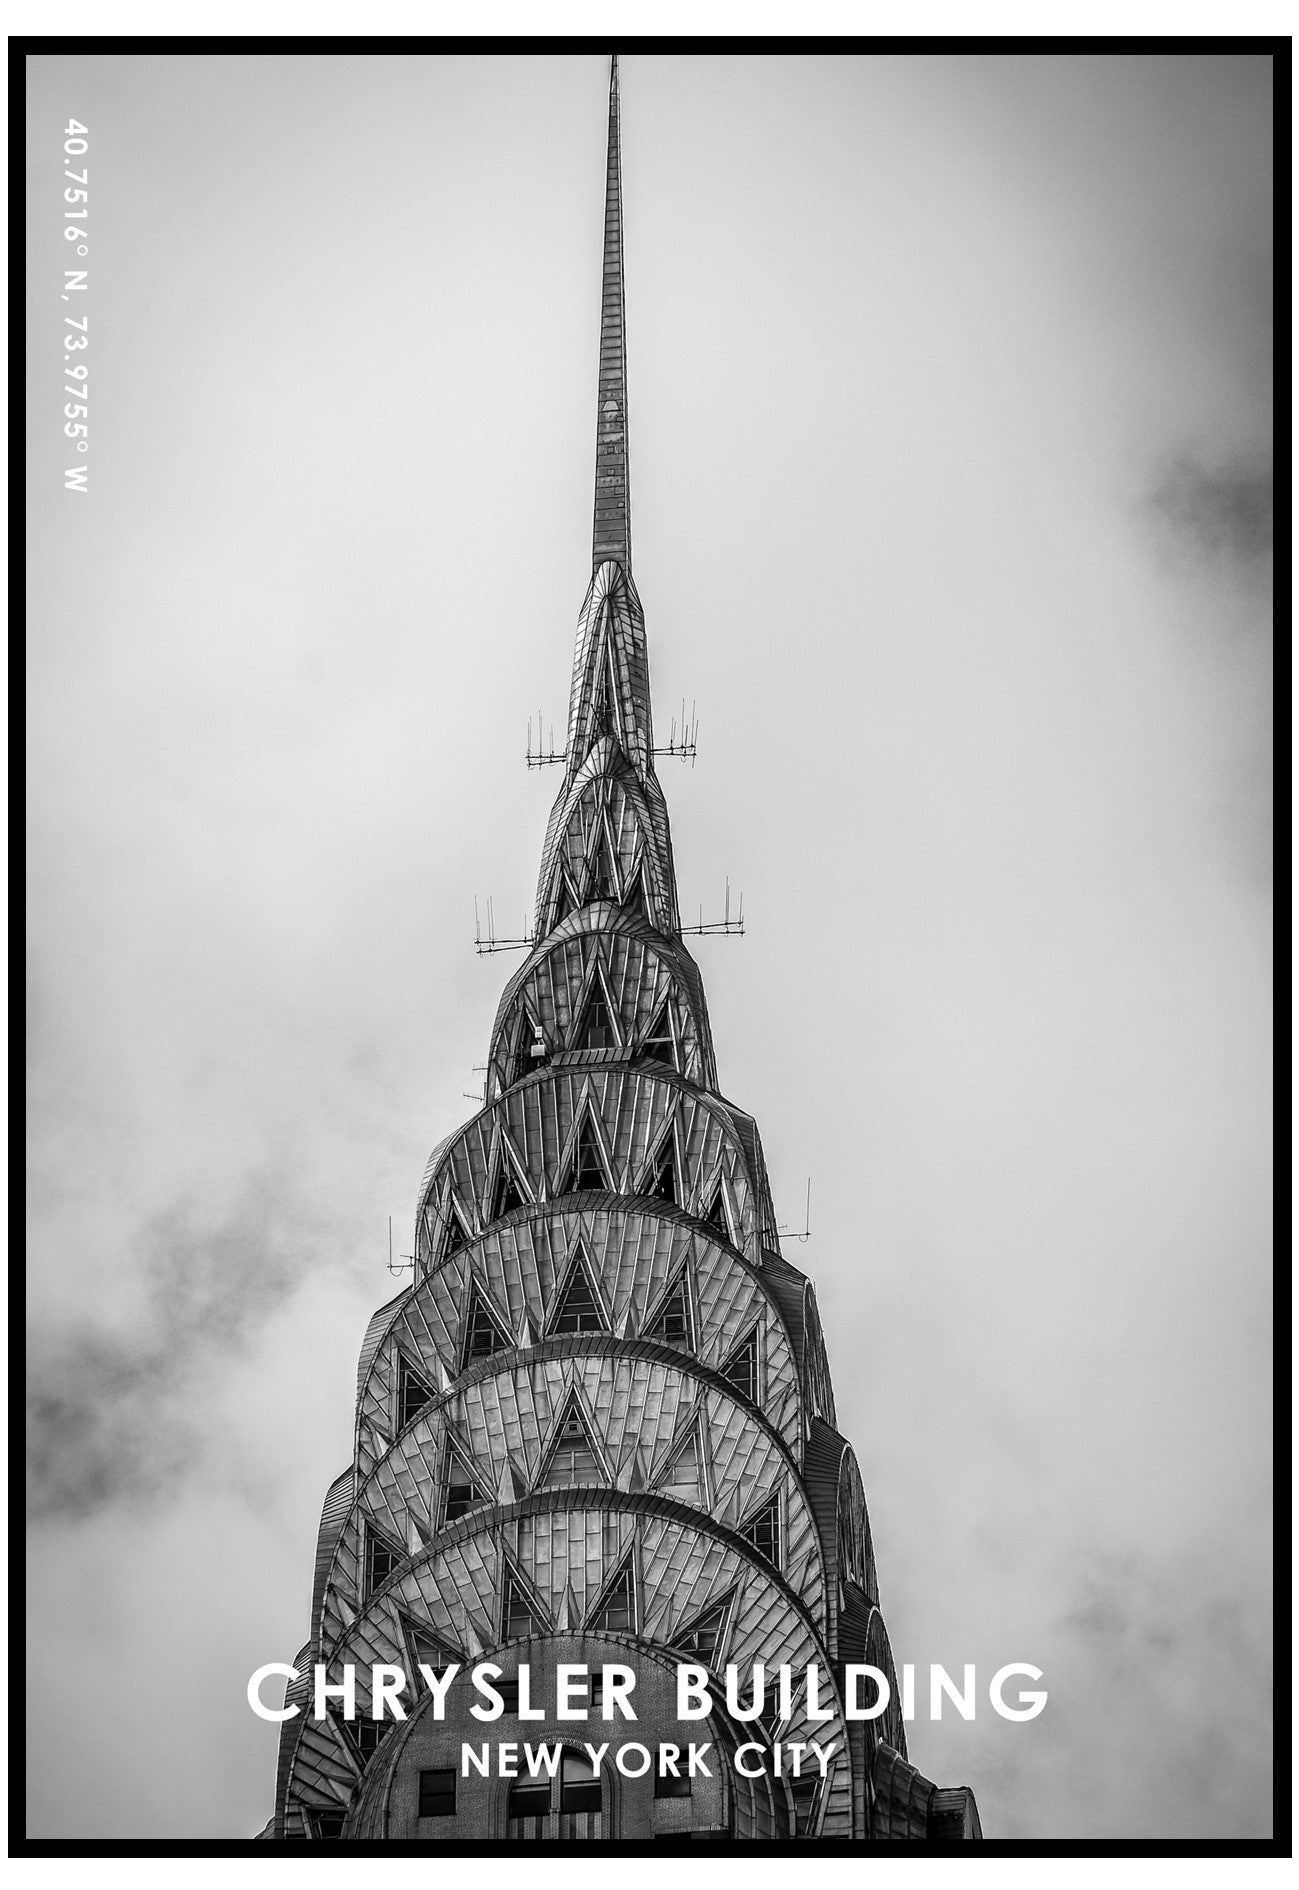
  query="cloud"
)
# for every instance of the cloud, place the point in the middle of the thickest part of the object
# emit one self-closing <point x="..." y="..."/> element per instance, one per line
<point x="107" y="1407"/>
<point x="1222" y="513"/>
<point x="1183" y="1669"/>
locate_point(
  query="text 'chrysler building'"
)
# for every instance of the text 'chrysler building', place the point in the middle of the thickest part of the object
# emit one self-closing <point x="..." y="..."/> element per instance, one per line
<point x="597" y="1428"/>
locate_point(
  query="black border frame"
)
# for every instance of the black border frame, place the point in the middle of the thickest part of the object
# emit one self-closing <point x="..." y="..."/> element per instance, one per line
<point x="1280" y="49"/>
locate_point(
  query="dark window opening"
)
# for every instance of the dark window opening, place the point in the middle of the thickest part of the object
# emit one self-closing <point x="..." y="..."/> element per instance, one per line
<point x="664" y="1185"/>
<point x="532" y="1053"/>
<point x="508" y="1193"/>
<point x="741" y="1368"/>
<point x="455" y="1237"/>
<point x="806" y="1792"/>
<point x="509" y="1692"/>
<point x="672" y="1326"/>
<point x="588" y="1163"/>
<point x="530" y="1800"/>
<point x="572" y="1458"/>
<point x="762" y="1532"/>
<point x="329" y="1824"/>
<point x="666" y="1785"/>
<point x="564" y="901"/>
<point x="682" y="1476"/>
<point x="616" y="1613"/>
<point x="380" y="1560"/>
<point x="716" y="1215"/>
<point x="578" y="1311"/>
<point x="596" y="1031"/>
<point x="460" y="1499"/>
<point x="482" y="1334"/>
<point x="520" y="1619"/>
<point x="579" y="1784"/>
<point x="425" y="1649"/>
<point x="414" y="1393"/>
<point x="365" y="1735"/>
<point x="657" y="1044"/>
<point x="634" y="897"/>
<point x="463" y="1491"/>
<point x="602" y="720"/>
<point x="604" y="880"/>
<point x="702" y="1637"/>
<point x="437" y="1793"/>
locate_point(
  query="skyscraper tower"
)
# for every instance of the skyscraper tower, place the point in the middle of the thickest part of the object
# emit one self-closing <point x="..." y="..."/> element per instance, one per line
<point x="598" y="1427"/>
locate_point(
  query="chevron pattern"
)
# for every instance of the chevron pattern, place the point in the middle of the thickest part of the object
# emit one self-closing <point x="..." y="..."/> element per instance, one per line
<point x="599" y="1424"/>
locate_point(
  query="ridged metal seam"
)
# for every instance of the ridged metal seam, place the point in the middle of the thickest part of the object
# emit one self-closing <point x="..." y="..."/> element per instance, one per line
<point x="725" y="1113"/>
<point x="333" y="1518"/>
<point x="374" y="1335"/>
<point x="599" y="1345"/>
<point x="290" y="1732"/>
<point x="822" y="1462"/>
<point x="682" y="970"/>
<point x="506" y="1364"/>
<point x="903" y="1798"/>
<point x="774" y="1284"/>
<point x="541" y="1502"/>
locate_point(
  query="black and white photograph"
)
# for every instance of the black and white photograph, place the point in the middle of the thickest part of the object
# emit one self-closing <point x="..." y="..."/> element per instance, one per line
<point x="688" y="629"/>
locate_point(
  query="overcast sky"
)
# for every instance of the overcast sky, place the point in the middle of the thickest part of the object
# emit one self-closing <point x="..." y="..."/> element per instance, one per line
<point x="950" y="432"/>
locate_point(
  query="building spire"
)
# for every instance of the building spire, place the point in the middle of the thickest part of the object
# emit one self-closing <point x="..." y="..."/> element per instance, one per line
<point x="612" y="535"/>
<point x="611" y="803"/>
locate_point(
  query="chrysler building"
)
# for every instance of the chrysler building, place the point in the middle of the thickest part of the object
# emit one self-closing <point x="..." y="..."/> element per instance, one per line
<point x="598" y="1427"/>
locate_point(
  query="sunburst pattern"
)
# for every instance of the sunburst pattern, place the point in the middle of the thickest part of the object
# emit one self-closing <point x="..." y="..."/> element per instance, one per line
<point x="599" y="1421"/>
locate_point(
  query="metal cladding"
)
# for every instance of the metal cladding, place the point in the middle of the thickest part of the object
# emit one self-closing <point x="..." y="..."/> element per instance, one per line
<point x="612" y="537"/>
<point x="597" y="1427"/>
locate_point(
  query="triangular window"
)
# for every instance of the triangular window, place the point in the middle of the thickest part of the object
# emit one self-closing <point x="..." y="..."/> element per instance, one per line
<point x="716" y="1215"/>
<point x="615" y="1612"/>
<point x="587" y="1169"/>
<point x="602" y="722"/>
<point x="363" y="1735"/>
<point x="657" y="1045"/>
<point x="519" y="1618"/>
<point x="663" y="1181"/>
<point x="633" y="900"/>
<point x="807" y="1794"/>
<point x="381" y="1558"/>
<point x="604" y="879"/>
<point x="565" y="900"/>
<point x="483" y="1335"/>
<point x="413" y="1393"/>
<point x="455" y="1237"/>
<point x="424" y="1648"/>
<point x="762" y="1532"/>
<point x="572" y="1457"/>
<point x="741" y="1368"/>
<point x="509" y="1195"/>
<point x="671" y="1324"/>
<point x="702" y="1637"/>
<point x="461" y="1489"/>
<point x="531" y="1053"/>
<point x="596" y="1031"/>
<point x="578" y="1309"/>
<point x="683" y="1476"/>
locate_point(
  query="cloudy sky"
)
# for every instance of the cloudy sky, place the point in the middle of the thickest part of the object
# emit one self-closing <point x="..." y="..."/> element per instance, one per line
<point x="950" y="423"/>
